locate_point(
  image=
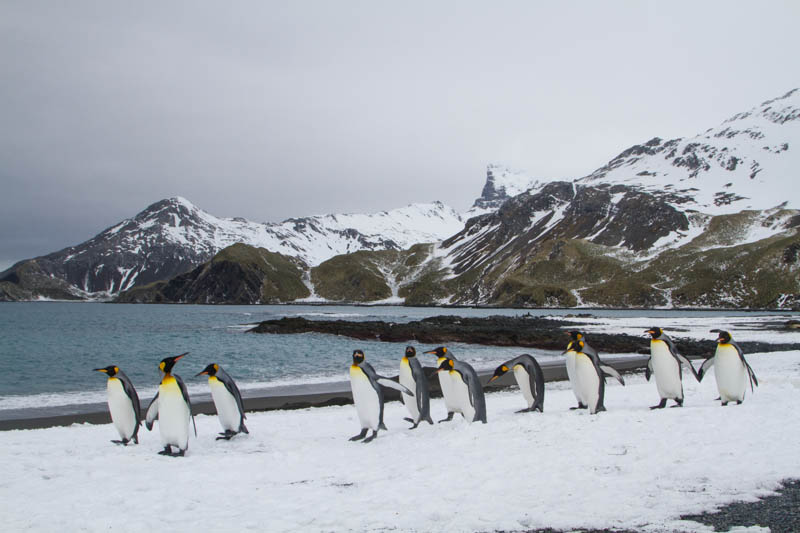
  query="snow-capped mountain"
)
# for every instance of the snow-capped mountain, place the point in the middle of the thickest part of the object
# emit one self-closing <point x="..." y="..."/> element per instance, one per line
<point x="719" y="205"/>
<point x="749" y="161"/>
<point x="501" y="184"/>
<point x="708" y="220"/>
<point x="173" y="236"/>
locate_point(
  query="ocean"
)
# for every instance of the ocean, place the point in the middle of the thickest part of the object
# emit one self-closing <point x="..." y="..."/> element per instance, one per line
<point x="48" y="349"/>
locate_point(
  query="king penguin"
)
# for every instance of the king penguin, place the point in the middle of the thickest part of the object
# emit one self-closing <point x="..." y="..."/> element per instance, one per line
<point x="590" y="373"/>
<point x="466" y="389"/>
<point x="413" y="378"/>
<point x="173" y="409"/>
<point x="665" y="363"/>
<point x="529" y="378"/>
<point x="123" y="404"/>
<point x="730" y="368"/>
<point x="365" y="384"/>
<point x="445" y="381"/>
<point x="570" y="354"/>
<point x="227" y="401"/>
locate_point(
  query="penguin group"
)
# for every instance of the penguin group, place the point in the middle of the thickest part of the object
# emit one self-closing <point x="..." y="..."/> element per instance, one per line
<point x="460" y="385"/>
<point x="463" y="393"/>
<point x="171" y="406"/>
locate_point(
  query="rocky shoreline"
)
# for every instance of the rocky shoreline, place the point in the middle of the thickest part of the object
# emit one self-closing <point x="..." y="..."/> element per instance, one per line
<point x="523" y="331"/>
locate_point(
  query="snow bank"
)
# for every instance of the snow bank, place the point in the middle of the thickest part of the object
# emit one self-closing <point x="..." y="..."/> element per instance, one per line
<point x="627" y="468"/>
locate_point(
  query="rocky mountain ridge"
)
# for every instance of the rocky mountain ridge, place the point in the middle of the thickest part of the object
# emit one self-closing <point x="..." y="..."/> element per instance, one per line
<point x="704" y="221"/>
<point x="173" y="236"/>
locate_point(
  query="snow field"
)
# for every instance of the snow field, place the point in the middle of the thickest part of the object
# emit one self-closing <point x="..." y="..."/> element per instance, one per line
<point x="626" y="468"/>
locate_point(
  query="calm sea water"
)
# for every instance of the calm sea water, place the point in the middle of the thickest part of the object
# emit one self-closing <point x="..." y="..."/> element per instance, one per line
<point x="48" y="349"/>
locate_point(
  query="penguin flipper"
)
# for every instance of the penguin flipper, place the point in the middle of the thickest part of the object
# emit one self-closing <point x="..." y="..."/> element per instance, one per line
<point x="152" y="413"/>
<point x="752" y="376"/>
<point x="185" y="394"/>
<point x="750" y="372"/>
<point x="130" y="391"/>
<point x="685" y="361"/>
<point x="648" y="370"/>
<point x="230" y="385"/>
<point x="612" y="373"/>
<point x="392" y="384"/>
<point x="707" y="364"/>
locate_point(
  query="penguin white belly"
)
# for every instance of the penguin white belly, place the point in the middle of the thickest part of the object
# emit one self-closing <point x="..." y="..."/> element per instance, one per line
<point x="446" y="384"/>
<point x="407" y="380"/>
<point x="227" y="409"/>
<point x="524" y="382"/>
<point x="588" y="381"/>
<point x="173" y="415"/>
<point x="572" y="375"/>
<point x="461" y="397"/>
<point x="121" y="409"/>
<point x="730" y="373"/>
<point x="666" y="370"/>
<point x="366" y="399"/>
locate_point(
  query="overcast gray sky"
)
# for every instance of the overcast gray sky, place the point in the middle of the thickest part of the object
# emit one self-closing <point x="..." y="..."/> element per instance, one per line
<point x="268" y="110"/>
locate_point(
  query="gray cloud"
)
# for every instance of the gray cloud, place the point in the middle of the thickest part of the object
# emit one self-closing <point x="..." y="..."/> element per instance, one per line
<point x="269" y="110"/>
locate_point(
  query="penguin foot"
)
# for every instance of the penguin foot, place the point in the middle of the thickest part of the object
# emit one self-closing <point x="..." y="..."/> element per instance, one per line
<point x="662" y="404"/>
<point x="678" y="403"/>
<point x="180" y="453"/>
<point x="228" y="435"/>
<point x="371" y="437"/>
<point x="528" y="410"/>
<point x="360" y="435"/>
<point x="409" y="420"/>
<point x="580" y="406"/>
<point x="448" y="419"/>
<point x="738" y="402"/>
<point x="166" y="451"/>
<point x="124" y="442"/>
<point x="724" y="404"/>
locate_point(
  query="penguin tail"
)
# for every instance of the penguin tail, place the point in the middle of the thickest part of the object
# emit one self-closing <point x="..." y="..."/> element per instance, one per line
<point x="243" y="428"/>
<point x="428" y="419"/>
<point x="383" y="426"/>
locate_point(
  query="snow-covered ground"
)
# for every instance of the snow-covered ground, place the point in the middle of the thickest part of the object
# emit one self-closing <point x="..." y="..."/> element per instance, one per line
<point x="627" y="468"/>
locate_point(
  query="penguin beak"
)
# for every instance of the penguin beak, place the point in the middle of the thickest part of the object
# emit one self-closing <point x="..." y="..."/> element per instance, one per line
<point x="491" y="379"/>
<point x="101" y="370"/>
<point x="181" y="356"/>
<point x="200" y="373"/>
<point x="432" y="352"/>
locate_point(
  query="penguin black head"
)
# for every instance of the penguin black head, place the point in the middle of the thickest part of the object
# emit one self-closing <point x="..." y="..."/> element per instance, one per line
<point x="441" y="351"/>
<point x="575" y="335"/>
<point x="447" y="364"/>
<point x="358" y="357"/>
<point x="167" y="363"/>
<point x="499" y="371"/>
<point x="723" y="337"/>
<point x="655" y="332"/>
<point x="210" y="370"/>
<point x="110" y="370"/>
<point x="411" y="351"/>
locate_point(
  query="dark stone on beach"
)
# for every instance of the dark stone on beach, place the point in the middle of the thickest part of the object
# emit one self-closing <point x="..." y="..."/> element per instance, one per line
<point x="522" y="331"/>
<point x="778" y="512"/>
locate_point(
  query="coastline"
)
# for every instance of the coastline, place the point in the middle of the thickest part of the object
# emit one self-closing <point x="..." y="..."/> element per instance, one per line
<point x="284" y="397"/>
